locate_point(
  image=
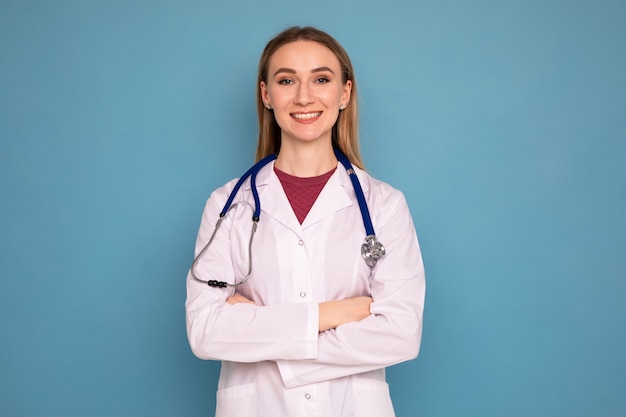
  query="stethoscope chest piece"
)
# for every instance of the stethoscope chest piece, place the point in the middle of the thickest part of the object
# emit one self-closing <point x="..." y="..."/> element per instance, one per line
<point x="372" y="250"/>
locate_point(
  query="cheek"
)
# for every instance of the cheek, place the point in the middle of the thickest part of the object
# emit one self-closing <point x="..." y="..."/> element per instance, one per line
<point x="279" y="98"/>
<point x="339" y="95"/>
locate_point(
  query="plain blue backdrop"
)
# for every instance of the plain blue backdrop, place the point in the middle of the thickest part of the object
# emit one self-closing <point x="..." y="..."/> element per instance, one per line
<point x="503" y="122"/>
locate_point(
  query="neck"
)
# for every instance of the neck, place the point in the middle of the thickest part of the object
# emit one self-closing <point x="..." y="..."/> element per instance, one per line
<point x="306" y="161"/>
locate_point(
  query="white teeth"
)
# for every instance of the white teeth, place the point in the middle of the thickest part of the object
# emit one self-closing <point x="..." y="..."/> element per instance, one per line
<point x="307" y="116"/>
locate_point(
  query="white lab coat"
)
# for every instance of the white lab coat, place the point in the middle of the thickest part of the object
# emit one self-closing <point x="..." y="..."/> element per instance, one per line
<point x="274" y="361"/>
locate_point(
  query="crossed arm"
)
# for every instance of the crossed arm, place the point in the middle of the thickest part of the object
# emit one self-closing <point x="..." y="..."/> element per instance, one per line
<point x="331" y="313"/>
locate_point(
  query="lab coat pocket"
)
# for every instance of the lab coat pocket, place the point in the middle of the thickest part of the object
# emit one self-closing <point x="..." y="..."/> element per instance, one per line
<point x="237" y="401"/>
<point x="373" y="398"/>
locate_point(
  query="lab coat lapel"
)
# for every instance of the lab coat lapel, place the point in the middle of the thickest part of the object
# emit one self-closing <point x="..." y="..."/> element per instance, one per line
<point x="334" y="196"/>
<point x="274" y="202"/>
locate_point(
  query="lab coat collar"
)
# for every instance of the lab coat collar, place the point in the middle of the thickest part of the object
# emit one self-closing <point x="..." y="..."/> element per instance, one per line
<point x="337" y="194"/>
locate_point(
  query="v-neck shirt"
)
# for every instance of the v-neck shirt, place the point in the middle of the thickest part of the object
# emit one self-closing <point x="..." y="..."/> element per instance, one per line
<point x="302" y="192"/>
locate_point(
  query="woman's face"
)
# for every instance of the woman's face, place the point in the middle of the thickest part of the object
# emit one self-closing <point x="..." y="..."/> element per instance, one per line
<point x="305" y="89"/>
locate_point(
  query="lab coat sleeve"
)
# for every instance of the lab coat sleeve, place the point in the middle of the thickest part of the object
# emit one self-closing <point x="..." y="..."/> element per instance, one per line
<point x="241" y="332"/>
<point x="392" y="333"/>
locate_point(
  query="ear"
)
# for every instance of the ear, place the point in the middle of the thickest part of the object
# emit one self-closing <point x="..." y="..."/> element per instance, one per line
<point x="264" y="94"/>
<point x="345" y="93"/>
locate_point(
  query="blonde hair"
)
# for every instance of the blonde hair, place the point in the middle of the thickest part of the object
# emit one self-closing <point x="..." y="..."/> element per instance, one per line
<point x="345" y="132"/>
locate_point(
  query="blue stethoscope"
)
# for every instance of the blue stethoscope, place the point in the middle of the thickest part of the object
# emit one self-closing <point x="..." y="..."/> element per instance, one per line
<point x="371" y="250"/>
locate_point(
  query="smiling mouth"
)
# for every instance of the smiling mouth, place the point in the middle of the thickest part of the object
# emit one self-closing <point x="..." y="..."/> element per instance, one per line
<point x="306" y="116"/>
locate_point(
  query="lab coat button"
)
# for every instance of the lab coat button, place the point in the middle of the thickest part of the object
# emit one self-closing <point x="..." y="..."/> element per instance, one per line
<point x="307" y="396"/>
<point x="302" y="294"/>
<point x="301" y="242"/>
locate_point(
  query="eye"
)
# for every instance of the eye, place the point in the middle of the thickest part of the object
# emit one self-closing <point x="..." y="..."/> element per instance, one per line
<point x="285" y="81"/>
<point x="322" y="80"/>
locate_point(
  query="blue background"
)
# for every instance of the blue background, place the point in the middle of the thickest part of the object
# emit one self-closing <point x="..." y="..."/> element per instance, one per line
<point x="504" y="123"/>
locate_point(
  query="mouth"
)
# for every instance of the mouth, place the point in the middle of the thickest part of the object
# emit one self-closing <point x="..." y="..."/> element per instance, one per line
<point x="306" y="116"/>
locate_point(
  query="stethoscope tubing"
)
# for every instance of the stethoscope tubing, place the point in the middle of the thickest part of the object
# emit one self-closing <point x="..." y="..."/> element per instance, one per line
<point x="371" y="250"/>
<point x="358" y="191"/>
<point x="252" y="173"/>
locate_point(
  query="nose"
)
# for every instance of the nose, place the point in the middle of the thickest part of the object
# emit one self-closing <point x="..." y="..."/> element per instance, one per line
<point x="304" y="95"/>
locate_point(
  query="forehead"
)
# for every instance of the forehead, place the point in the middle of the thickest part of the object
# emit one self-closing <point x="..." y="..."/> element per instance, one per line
<point x="303" y="56"/>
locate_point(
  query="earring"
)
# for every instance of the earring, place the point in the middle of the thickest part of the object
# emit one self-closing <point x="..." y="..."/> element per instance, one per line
<point x="267" y="106"/>
<point x="342" y="107"/>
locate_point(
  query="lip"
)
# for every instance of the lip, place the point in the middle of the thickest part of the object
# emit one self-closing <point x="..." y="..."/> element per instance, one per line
<point x="306" y="117"/>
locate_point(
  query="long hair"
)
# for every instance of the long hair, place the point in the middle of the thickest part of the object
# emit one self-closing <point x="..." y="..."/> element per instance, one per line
<point x="345" y="131"/>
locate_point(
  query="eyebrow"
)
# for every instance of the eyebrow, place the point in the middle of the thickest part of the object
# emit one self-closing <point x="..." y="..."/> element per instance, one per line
<point x="313" y="71"/>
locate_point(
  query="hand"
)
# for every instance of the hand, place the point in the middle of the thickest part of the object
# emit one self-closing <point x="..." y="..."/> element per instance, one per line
<point x="238" y="299"/>
<point x="348" y="310"/>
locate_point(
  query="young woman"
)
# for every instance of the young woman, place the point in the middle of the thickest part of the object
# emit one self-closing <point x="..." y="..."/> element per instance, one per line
<point x="303" y="318"/>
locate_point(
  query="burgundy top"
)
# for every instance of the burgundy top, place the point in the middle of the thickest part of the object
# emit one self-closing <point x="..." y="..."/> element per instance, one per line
<point x="302" y="192"/>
